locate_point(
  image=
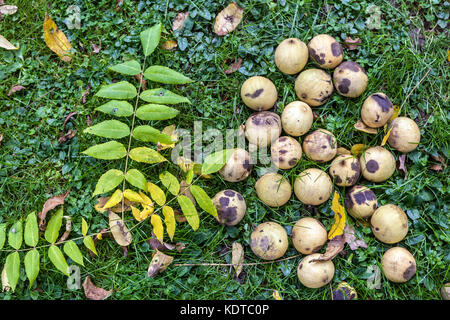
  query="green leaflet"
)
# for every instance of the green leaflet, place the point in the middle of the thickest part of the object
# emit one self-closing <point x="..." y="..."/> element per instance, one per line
<point x="150" y="134"/>
<point x="89" y="243"/>
<point x="57" y="258"/>
<point x="74" y="253"/>
<point x="137" y="179"/>
<point x="113" y="129"/>
<point x="31" y="262"/>
<point x="170" y="182"/>
<point x="156" y="112"/>
<point x="108" y="181"/>
<point x="31" y="230"/>
<point x="163" y="96"/>
<point x="111" y="150"/>
<point x="121" y="90"/>
<point x="129" y="68"/>
<point x="215" y="161"/>
<point x="150" y="38"/>
<point x="116" y="108"/>
<point x="12" y="266"/>
<point x="2" y="234"/>
<point x="53" y="226"/>
<point x="146" y="155"/>
<point x="84" y="227"/>
<point x="189" y="211"/>
<point x="203" y="200"/>
<point x="15" y="235"/>
<point x="189" y="176"/>
<point x="165" y="75"/>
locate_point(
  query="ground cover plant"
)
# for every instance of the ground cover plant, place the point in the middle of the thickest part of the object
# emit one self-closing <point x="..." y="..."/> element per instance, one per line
<point x="398" y="43"/>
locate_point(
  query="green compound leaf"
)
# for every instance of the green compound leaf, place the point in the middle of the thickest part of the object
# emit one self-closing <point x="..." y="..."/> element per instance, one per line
<point x="112" y="129"/>
<point x="31" y="230"/>
<point x="74" y="253"/>
<point x="108" y="181"/>
<point x="203" y="200"/>
<point x="137" y="179"/>
<point x="2" y="234"/>
<point x="189" y="211"/>
<point x="15" y="235"/>
<point x="116" y="108"/>
<point x="121" y="90"/>
<point x="12" y="266"/>
<point x="150" y="38"/>
<point x="150" y="134"/>
<point x="111" y="150"/>
<point x="53" y="226"/>
<point x="156" y="112"/>
<point x="163" y="96"/>
<point x="165" y="75"/>
<point x="146" y="155"/>
<point x="129" y="68"/>
<point x="57" y="258"/>
<point x="31" y="263"/>
<point x="170" y="182"/>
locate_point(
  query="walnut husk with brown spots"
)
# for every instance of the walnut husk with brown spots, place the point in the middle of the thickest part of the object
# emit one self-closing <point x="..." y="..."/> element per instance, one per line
<point x="273" y="189"/>
<point x="308" y="235"/>
<point x="314" y="87"/>
<point x="320" y="145"/>
<point x="360" y="202"/>
<point x="297" y="118"/>
<point x="269" y="241"/>
<point x="345" y="170"/>
<point x="405" y="134"/>
<point x="315" y="274"/>
<point x="238" y="166"/>
<point x="350" y="79"/>
<point x="389" y="224"/>
<point x="231" y="207"/>
<point x="291" y="56"/>
<point x="376" y="110"/>
<point x="398" y="264"/>
<point x="259" y="93"/>
<point x="377" y="164"/>
<point x="262" y="128"/>
<point x="325" y="51"/>
<point x="285" y="152"/>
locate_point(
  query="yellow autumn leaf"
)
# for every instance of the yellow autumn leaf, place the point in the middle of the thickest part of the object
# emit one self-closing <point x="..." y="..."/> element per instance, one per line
<point x="136" y="213"/>
<point x="145" y="199"/>
<point x="99" y="236"/>
<point x="170" y="131"/>
<point x="386" y="137"/>
<point x="158" y="228"/>
<point x="169" y="45"/>
<point x="169" y="220"/>
<point x="56" y="39"/>
<point x="276" y="295"/>
<point x="114" y="200"/>
<point x="132" y="196"/>
<point x="187" y="165"/>
<point x="395" y="114"/>
<point x="148" y="210"/>
<point x="339" y="217"/>
<point x="342" y="150"/>
<point x="84" y="227"/>
<point x="361" y="126"/>
<point x="156" y="193"/>
<point x="357" y="149"/>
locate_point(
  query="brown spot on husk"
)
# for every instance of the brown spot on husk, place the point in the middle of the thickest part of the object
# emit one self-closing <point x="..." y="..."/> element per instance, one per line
<point x="343" y="86"/>
<point x="255" y="94"/>
<point x="372" y="166"/>
<point x="409" y="272"/>
<point x="315" y="56"/>
<point x="229" y="193"/>
<point x="336" y="49"/>
<point x="383" y="101"/>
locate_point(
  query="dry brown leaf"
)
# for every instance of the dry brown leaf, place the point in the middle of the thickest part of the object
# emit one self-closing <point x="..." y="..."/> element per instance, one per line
<point x="350" y="238"/>
<point x="15" y="89"/>
<point x="119" y="230"/>
<point x="96" y="48"/>
<point x="436" y="167"/>
<point x="169" y="45"/>
<point x="401" y="164"/>
<point x="1" y="138"/>
<point x="5" y="44"/>
<point x="139" y="77"/>
<point x="361" y="126"/>
<point x="119" y="5"/>
<point x="56" y="40"/>
<point x="179" y="21"/>
<point x="445" y="291"/>
<point x="67" y="136"/>
<point x="8" y="9"/>
<point x="49" y="205"/>
<point x="352" y="44"/>
<point x="335" y="246"/>
<point x="94" y="293"/>
<point x="159" y="263"/>
<point x="228" y="19"/>
<point x="235" y="66"/>
<point x="68" y="229"/>
<point x="179" y="216"/>
<point x="237" y="257"/>
<point x="85" y="93"/>
<point x="439" y="159"/>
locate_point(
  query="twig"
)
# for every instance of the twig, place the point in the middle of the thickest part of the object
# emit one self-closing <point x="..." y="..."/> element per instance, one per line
<point x="231" y="264"/>
<point x="414" y="89"/>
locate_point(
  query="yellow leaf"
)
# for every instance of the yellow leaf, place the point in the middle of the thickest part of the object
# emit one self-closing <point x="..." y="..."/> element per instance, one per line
<point x="99" y="236"/>
<point x="169" y="45"/>
<point x="170" y="131"/>
<point x="386" y="137"/>
<point x="56" y="40"/>
<point x="339" y="217"/>
<point x="276" y="295"/>
<point x="132" y="196"/>
<point x="136" y="213"/>
<point x="156" y="193"/>
<point x="357" y="149"/>
<point x="169" y="220"/>
<point x="114" y="200"/>
<point x="361" y="126"/>
<point x="145" y="199"/>
<point x="5" y="44"/>
<point x="395" y="114"/>
<point x="342" y="150"/>
<point x="84" y="227"/>
<point x="148" y="210"/>
<point x="158" y="228"/>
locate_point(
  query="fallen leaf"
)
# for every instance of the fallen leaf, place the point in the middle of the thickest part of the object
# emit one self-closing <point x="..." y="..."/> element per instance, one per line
<point x="119" y="230"/>
<point x="235" y="66"/>
<point x="339" y="217"/>
<point x="169" y="45"/>
<point x="395" y="114"/>
<point x="67" y="136"/>
<point x="352" y="44"/>
<point x="358" y="149"/>
<point x="94" y="293"/>
<point x="361" y="126"/>
<point x="276" y="295"/>
<point x="445" y="291"/>
<point x="159" y="263"/>
<point x="170" y="131"/>
<point x="68" y="229"/>
<point x="335" y="246"/>
<point x="119" y="5"/>
<point x="179" y="216"/>
<point x="15" y="89"/>
<point x="8" y="9"/>
<point x="56" y="39"/>
<point x="139" y="77"/>
<point x="49" y="205"/>
<point x="439" y="159"/>
<point x="237" y="257"/>
<point x="5" y="44"/>
<point x="85" y="93"/>
<point x="386" y="137"/>
<point x="179" y="21"/>
<point x="117" y="209"/>
<point x="344" y="292"/>
<point x="342" y="150"/>
<point x="436" y="167"/>
<point x="5" y="282"/>
<point x="401" y="164"/>
<point x="228" y="19"/>
<point x="350" y="238"/>
<point x="1" y="138"/>
<point x="96" y="48"/>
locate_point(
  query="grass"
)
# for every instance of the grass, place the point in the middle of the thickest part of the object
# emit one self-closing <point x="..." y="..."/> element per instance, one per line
<point x="34" y="166"/>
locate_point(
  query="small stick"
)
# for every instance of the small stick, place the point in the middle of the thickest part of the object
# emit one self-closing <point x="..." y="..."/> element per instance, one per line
<point x="230" y="264"/>
<point x="414" y="89"/>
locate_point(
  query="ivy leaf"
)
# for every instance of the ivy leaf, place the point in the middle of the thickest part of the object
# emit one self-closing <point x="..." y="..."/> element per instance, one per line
<point x="137" y="179"/>
<point x="215" y="161"/>
<point x="203" y="200"/>
<point x="53" y="226"/>
<point x="150" y="38"/>
<point x="129" y="68"/>
<point x="338" y="226"/>
<point x="146" y="155"/>
<point x="31" y="230"/>
<point x="113" y="129"/>
<point x="111" y="150"/>
<point x="116" y="108"/>
<point x="2" y="234"/>
<point x="12" y="266"/>
<point x="163" y="96"/>
<point x="74" y="253"/>
<point x="57" y="258"/>
<point x="121" y="90"/>
<point x="169" y="220"/>
<point x="165" y="75"/>
<point x="89" y="243"/>
<point x="189" y="211"/>
<point x="15" y="235"/>
<point x="108" y="181"/>
<point x="119" y="230"/>
<point x="158" y="228"/>
<point x="31" y="262"/>
<point x="156" y="112"/>
<point x="156" y="193"/>
<point x="170" y="182"/>
<point x="150" y="134"/>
